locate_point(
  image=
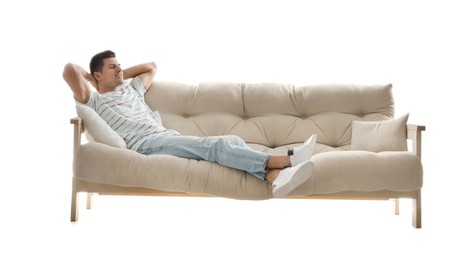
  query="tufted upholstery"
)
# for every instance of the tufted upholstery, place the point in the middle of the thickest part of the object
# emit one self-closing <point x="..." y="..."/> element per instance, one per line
<point x="270" y="114"/>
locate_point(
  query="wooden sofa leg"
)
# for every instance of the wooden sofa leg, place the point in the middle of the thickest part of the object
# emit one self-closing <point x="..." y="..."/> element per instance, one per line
<point x="396" y="206"/>
<point x="74" y="199"/>
<point x="417" y="210"/>
<point x="89" y="200"/>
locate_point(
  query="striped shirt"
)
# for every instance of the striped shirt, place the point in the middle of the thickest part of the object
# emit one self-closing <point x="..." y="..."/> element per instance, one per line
<point x="126" y="112"/>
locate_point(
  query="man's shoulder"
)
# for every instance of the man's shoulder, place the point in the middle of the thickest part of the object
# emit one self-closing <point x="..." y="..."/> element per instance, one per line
<point x="136" y="84"/>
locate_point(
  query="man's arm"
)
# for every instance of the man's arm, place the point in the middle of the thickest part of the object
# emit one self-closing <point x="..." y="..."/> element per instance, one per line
<point x="77" y="79"/>
<point x="145" y="72"/>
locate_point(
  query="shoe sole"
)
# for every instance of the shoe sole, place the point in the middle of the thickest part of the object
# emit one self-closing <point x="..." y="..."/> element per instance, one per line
<point x="312" y="147"/>
<point x="313" y="138"/>
<point x="299" y="177"/>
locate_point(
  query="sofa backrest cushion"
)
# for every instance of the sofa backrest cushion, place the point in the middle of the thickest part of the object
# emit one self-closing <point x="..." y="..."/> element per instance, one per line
<point x="379" y="136"/>
<point x="96" y="129"/>
<point x="270" y="114"/>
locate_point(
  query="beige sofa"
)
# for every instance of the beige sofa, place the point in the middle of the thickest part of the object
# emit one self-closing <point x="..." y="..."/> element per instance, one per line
<point x="361" y="153"/>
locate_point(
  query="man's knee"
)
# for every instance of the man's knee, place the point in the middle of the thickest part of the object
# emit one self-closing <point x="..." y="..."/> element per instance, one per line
<point x="234" y="139"/>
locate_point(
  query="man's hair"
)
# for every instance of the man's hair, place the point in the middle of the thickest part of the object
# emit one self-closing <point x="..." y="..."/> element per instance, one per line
<point x="97" y="61"/>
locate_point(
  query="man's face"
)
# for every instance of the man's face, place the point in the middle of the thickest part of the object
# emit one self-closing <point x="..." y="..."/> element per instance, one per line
<point x="111" y="75"/>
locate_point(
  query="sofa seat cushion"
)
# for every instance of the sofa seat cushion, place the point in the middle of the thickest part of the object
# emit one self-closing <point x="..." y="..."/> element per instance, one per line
<point x="363" y="171"/>
<point x="334" y="172"/>
<point x="100" y="163"/>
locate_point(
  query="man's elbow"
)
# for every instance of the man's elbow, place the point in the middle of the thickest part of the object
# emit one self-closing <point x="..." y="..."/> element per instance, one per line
<point x="68" y="69"/>
<point x="153" y="66"/>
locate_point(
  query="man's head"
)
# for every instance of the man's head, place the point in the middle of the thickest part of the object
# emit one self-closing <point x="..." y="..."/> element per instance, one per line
<point x="106" y="70"/>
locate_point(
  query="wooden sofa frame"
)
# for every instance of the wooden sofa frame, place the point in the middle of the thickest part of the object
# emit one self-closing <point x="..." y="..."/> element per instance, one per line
<point x="414" y="134"/>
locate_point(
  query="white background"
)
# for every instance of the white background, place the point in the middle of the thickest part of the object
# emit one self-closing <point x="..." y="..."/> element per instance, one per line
<point x="424" y="48"/>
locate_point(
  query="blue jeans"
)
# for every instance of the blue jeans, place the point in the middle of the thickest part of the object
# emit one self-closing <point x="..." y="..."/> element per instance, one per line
<point x="227" y="150"/>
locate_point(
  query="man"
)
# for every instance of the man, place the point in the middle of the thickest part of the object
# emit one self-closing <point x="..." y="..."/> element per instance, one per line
<point x="122" y="106"/>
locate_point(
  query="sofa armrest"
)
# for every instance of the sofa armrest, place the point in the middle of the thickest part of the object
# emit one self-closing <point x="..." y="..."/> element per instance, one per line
<point x="78" y="130"/>
<point x="414" y="133"/>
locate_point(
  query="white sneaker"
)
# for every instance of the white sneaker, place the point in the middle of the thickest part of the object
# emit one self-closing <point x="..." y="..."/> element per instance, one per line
<point x="290" y="178"/>
<point x="304" y="152"/>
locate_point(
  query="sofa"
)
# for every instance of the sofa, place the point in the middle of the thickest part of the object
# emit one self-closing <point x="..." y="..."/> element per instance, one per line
<point x="364" y="151"/>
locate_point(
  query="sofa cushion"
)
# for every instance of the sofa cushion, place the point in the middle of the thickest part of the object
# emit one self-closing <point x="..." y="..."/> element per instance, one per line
<point x="99" y="163"/>
<point x="378" y="136"/>
<point x="363" y="171"/>
<point x="333" y="172"/>
<point x="97" y="129"/>
<point x="270" y="114"/>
